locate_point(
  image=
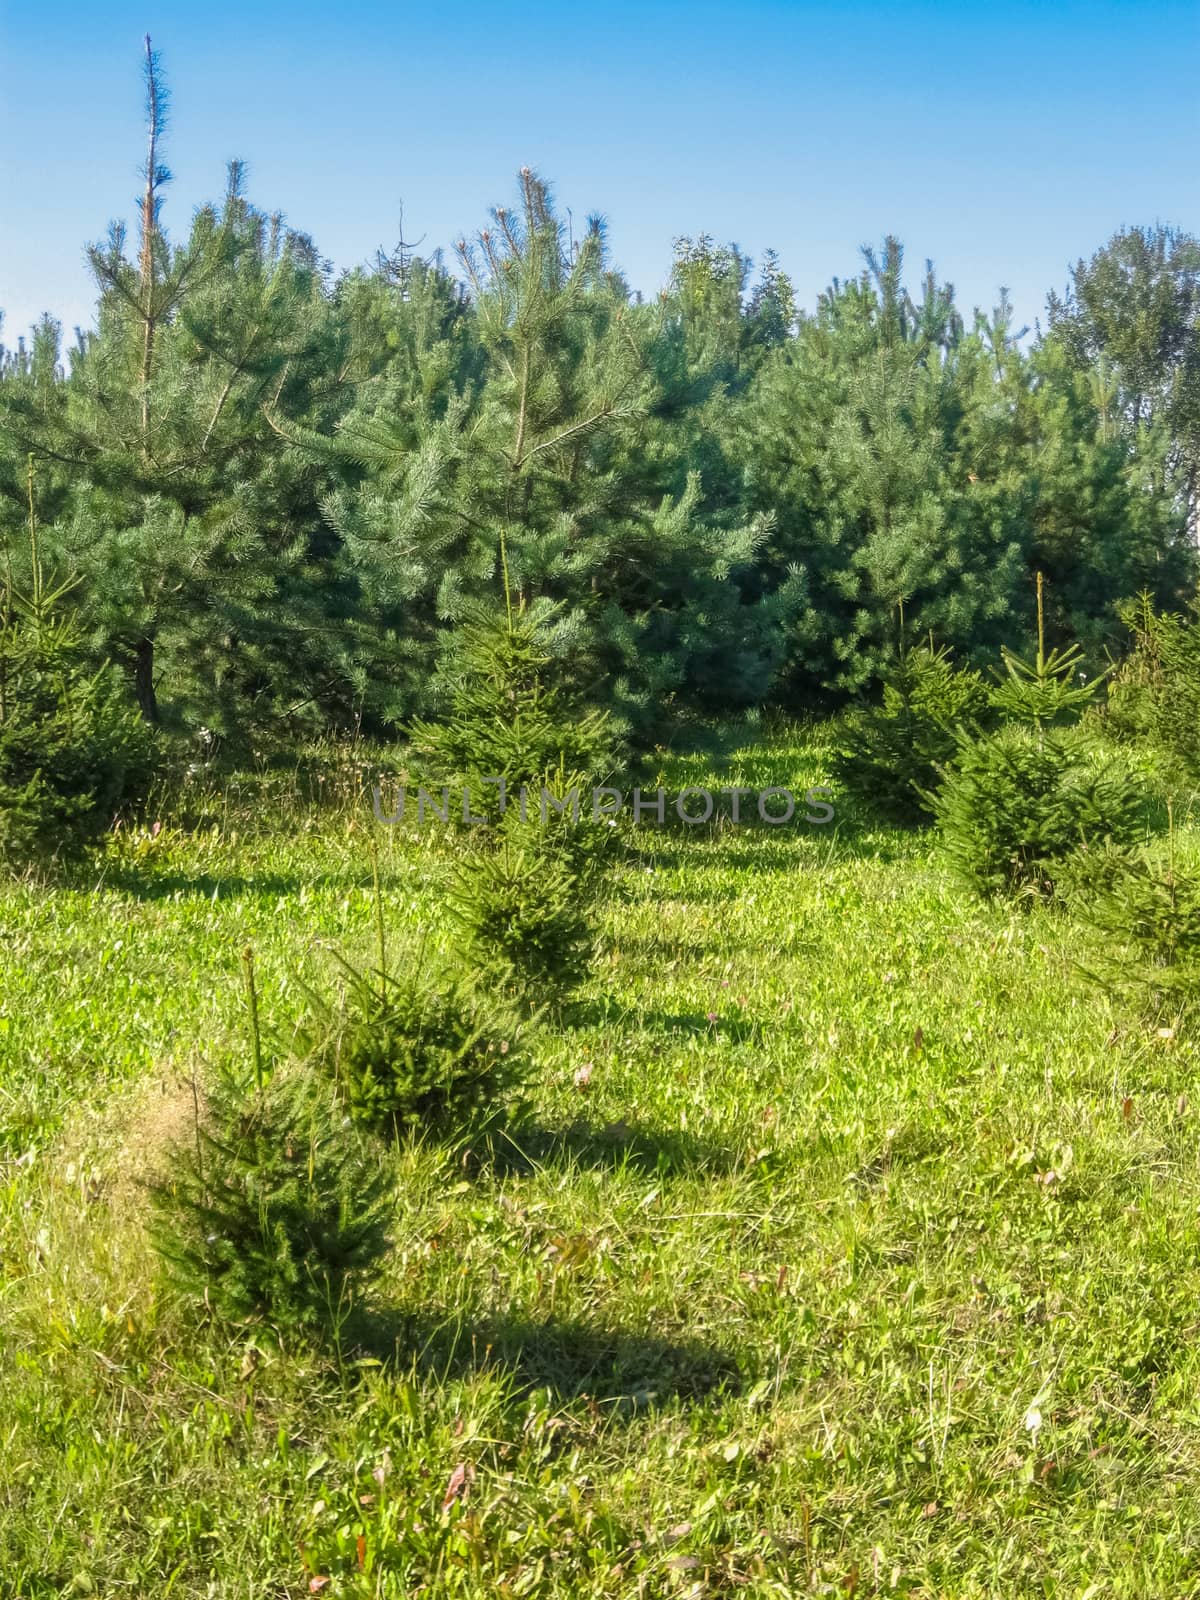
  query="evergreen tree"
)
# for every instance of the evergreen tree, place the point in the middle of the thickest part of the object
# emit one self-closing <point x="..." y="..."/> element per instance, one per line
<point x="73" y="755"/>
<point x="194" y="528"/>
<point x="851" y="437"/>
<point x="543" y="451"/>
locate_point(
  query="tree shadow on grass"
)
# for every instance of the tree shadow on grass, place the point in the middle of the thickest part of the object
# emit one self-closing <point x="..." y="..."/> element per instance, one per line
<point x="226" y="886"/>
<point x="611" y="1147"/>
<point x="744" y="852"/>
<point x="573" y="1359"/>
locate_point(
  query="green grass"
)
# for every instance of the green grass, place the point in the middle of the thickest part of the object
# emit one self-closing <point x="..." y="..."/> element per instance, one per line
<point x="864" y="1259"/>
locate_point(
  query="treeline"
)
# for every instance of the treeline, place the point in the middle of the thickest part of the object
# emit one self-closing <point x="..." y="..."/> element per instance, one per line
<point x="280" y="489"/>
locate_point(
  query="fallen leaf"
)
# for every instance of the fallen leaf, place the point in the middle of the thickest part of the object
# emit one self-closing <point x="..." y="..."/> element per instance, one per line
<point x="460" y="1480"/>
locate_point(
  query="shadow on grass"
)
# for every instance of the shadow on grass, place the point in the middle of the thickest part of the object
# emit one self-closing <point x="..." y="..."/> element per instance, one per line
<point x="612" y="1147"/>
<point x="573" y="1359"/>
<point x="227" y="886"/>
<point x="745" y="850"/>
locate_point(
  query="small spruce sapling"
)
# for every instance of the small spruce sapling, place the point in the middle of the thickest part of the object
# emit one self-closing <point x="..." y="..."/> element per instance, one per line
<point x="522" y="891"/>
<point x="1016" y="806"/>
<point x="1145" y="915"/>
<point x="1019" y="804"/>
<point x="1051" y="690"/>
<point x="891" y="753"/>
<point x="411" y="1052"/>
<point x="276" y="1213"/>
<point x="1155" y="693"/>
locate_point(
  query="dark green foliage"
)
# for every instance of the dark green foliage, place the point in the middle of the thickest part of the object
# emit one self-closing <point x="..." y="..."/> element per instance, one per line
<point x="1133" y="310"/>
<point x="276" y="1212"/>
<point x="286" y="493"/>
<point x="1015" y="806"/>
<point x="523" y="911"/>
<point x="891" y="754"/>
<point x="510" y="718"/>
<point x="1155" y="693"/>
<point x="408" y="1053"/>
<point x="73" y="752"/>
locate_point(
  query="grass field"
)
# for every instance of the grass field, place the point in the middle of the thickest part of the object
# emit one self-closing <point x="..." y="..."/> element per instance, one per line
<point x="852" y="1247"/>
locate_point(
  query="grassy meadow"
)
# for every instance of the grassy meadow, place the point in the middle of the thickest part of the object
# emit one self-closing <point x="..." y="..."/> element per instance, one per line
<point x="850" y="1244"/>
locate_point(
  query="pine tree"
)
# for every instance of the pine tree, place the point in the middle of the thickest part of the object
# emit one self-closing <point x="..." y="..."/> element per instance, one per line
<point x="544" y="452"/>
<point x="195" y="530"/>
<point x="852" y="436"/>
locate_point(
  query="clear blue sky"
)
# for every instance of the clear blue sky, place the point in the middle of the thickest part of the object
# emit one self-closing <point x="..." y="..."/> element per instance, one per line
<point x="1002" y="140"/>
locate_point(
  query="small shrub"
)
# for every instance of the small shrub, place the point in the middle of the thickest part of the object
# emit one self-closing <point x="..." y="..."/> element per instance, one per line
<point x="1050" y="690"/>
<point x="1146" y="917"/>
<point x="522" y="891"/>
<point x="1016" y="805"/>
<point x="509" y="718"/>
<point x="276" y="1212"/>
<point x="891" y="754"/>
<point x="407" y="1053"/>
<point x="1155" y="694"/>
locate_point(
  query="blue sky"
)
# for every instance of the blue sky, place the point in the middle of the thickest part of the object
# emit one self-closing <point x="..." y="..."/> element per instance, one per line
<point x="1002" y="140"/>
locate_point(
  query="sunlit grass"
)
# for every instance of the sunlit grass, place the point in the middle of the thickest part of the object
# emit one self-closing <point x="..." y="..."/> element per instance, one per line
<point x="852" y="1247"/>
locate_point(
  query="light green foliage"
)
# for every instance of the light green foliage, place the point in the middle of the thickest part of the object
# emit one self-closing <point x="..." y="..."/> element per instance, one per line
<point x="1155" y="693"/>
<point x="1144" y="914"/>
<point x="897" y="1252"/>
<point x="1054" y="688"/>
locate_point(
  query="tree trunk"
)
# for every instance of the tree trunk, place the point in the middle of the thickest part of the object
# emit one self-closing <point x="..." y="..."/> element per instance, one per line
<point x="143" y="679"/>
<point x="154" y="179"/>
